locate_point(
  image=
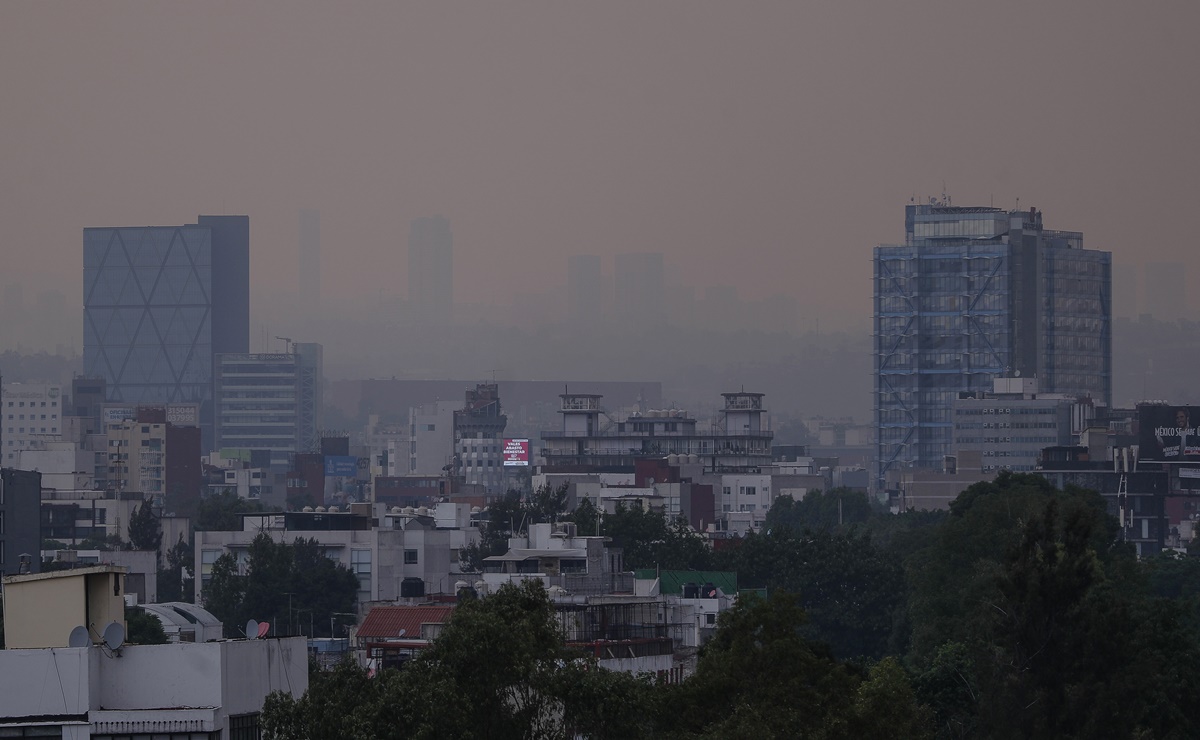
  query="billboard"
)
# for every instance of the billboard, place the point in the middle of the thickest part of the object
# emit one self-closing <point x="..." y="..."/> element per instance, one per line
<point x="516" y="453"/>
<point x="1169" y="434"/>
<point x="341" y="466"/>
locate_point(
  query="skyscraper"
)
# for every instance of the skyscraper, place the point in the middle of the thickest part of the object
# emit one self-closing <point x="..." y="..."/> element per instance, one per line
<point x="431" y="269"/>
<point x="639" y="289"/>
<point x="974" y="294"/>
<point x="270" y="401"/>
<point x="159" y="303"/>
<point x="585" y="291"/>
<point x="309" y="258"/>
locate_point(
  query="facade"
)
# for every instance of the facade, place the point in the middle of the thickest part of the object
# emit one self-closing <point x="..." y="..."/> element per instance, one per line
<point x="269" y="401"/>
<point x="431" y="440"/>
<point x="409" y="553"/>
<point x="31" y="414"/>
<point x="738" y="441"/>
<point x="585" y="290"/>
<point x="431" y="269"/>
<point x="479" y="438"/>
<point x="20" y="517"/>
<point x="160" y="302"/>
<point x="1010" y="426"/>
<point x="137" y="458"/>
<point x="974" y="294"/>
<point x="639" y="289"/>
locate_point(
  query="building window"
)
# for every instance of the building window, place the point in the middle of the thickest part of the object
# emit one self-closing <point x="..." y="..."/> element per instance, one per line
<point x="360" y="563"/>
<point x="244" y="727"/>
<point x="410" y="557"/>
<point x="42" y="731"/>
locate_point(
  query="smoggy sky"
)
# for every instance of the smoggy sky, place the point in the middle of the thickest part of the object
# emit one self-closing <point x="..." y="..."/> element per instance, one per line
<point x="767" y="145"/>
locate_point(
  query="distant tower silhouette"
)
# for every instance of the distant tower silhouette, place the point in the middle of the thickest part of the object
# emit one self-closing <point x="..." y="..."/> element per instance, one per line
<point x="309" y="258"/>
<point x="431" y="269"/>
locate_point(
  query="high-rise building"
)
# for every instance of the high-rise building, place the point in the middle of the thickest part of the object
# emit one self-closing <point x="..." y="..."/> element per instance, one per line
<point x="479" y="438"/>
<point x="160" y="302"/>
<point x="639" y="289"/>
<point x="309" y="258"/>
<point x="270" y="401"/>
<point x="1165" y="294"/>
<point x="585" y="291"/>
<point x="972" y="295"/>
<point x="431" y="269"/>
<point x="30" y="413"/>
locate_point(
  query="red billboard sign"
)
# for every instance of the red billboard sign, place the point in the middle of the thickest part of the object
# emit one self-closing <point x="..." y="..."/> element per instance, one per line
<point x="516" y="452"/>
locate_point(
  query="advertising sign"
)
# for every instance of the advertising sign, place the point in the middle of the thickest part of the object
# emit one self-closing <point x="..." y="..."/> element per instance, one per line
<point x="516" y="453"/>
<point x="118" y="414"/>
<point x="1169" y="434"/>
<point x="183" y="414"/>
<point x="338" y="466"/>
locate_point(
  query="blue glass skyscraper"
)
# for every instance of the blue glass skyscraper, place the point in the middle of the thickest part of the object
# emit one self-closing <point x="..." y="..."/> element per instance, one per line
<point x="974" y="294"/>
<point x="160" y="302"/>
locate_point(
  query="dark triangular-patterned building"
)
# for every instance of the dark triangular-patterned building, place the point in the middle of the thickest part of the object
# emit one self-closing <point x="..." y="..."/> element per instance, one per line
<point x="159" y="303"/>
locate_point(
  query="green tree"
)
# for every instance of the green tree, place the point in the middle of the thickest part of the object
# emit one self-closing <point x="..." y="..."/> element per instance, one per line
<point x="821" y="510"/>
<point x="529" y="685"/>
<point x="317" y="586"/>
<point x="222" y="511"/>
<point x="852" y="592"/>
<point x="145" y="530"/>
<point x="172" y="583"/>
<point x="143" y="628"/>
<point x="760" y="677"/>
<point x="649" y="539"/>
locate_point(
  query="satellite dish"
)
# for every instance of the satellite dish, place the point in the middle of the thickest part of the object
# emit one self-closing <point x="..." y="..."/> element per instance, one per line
<point x="252" y="630"/>
<point x="79" y="637"/>
<point x="263" y="629"/>
<point x="400" y="634"/>
<point x="114" y="635"/>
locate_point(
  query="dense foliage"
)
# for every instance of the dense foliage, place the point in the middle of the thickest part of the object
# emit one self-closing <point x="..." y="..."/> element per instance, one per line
<point x="1017" y="613"/>
<point x="223" y="511"/>
<point x="292" y="586"/>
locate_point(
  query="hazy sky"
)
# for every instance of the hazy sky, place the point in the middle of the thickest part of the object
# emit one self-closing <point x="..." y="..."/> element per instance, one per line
<point x="766" y="145"/>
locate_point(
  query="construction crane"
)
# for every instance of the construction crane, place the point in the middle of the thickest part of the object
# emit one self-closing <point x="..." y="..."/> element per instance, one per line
<point x="287" y="344"/>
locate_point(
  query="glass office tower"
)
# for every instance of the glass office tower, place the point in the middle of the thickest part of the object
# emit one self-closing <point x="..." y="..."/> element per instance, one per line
<point x="974" y="294"/>
<point x="159" y="303"/>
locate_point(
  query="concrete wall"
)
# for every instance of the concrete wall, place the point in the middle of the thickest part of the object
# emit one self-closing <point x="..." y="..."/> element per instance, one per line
<point x="44" y="682"/>
<point x="42" y="613"/>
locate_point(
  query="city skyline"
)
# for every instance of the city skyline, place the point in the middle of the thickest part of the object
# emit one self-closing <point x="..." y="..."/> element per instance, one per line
<point x="739" y="138"/>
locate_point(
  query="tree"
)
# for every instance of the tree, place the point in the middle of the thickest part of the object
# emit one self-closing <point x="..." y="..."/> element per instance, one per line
<point x="759" y="677"/>
<point x="143" y="628"/>
<point x="172" y="583"/>
<point x="821" y="510"/>
<point x="145" y="531"/>
<point x="222" y="511"/>
<point x="649" y="539"/>
<point x="852" y="592"/>
<point x="509" y="516"/>
<point x="273" y="570"/>
<point x="529" y="685"/>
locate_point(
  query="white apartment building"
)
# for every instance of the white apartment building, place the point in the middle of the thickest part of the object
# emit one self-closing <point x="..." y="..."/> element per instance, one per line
<point x="394" y="552"/>
<point x="31" y="412"/>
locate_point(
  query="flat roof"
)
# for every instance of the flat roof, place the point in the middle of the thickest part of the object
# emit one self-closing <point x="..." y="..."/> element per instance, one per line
<point x="68" y="573"/>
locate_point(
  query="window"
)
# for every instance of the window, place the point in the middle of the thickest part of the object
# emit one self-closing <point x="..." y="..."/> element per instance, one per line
<point x="360" y="563"/>
<point x="244" y="727"/>
<point x="410" y="557"/>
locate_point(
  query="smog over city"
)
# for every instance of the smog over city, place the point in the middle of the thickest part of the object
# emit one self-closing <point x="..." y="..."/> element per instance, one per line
<point x="513" y="270"/>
